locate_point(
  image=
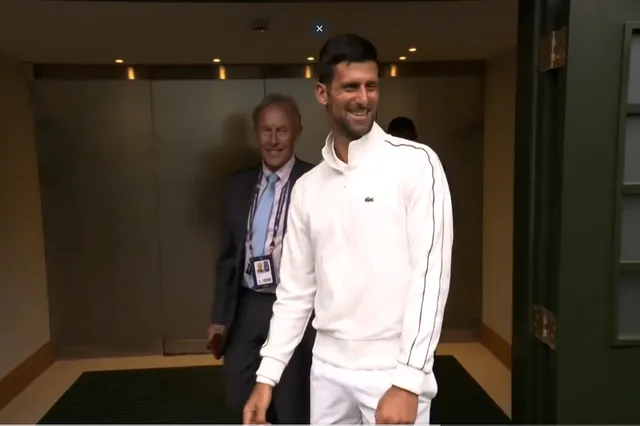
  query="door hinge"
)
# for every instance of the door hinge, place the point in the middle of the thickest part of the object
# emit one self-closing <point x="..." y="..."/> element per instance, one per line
<point x="544" y="326"/>
<point x="553" y="50"/>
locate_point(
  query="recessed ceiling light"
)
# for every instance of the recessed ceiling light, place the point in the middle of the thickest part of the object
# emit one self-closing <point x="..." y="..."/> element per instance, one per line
<point x="402" y="58"/>
<point x="216" y="60"/>
<point x="412" y="49"/>
<point x="119" y="61"/>
<point x="311" y="58"/>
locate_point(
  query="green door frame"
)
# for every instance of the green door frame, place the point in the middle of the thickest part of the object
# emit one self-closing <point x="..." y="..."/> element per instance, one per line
<point x="571" y="187"/>
<point x="537" y="209"/>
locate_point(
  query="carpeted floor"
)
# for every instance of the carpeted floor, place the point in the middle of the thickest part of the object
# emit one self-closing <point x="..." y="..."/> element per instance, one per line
<point x="195" y="395"/>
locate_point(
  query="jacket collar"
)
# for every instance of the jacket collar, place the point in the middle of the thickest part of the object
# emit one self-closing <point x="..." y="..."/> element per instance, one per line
<point x="359" y="149"/>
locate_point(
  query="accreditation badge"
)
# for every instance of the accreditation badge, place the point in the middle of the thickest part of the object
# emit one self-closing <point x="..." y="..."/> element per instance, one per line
<point x="263" y="272"/>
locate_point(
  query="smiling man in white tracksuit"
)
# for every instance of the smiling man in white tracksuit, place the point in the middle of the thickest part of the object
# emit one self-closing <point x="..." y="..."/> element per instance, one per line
<point x="368" y="248"/>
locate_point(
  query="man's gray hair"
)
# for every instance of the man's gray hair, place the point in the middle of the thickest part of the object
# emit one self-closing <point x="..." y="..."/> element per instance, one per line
<point x="273" y="99"/>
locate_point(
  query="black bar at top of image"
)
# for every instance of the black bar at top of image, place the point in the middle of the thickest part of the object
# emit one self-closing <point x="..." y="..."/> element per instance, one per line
<point x="257" y="1"/>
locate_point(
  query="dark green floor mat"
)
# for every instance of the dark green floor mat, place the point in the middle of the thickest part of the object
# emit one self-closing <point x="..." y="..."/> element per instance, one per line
<point x="195" y="395"/>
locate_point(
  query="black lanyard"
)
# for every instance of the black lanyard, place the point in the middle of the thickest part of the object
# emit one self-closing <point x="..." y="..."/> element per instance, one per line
<point x="282" y="199"/>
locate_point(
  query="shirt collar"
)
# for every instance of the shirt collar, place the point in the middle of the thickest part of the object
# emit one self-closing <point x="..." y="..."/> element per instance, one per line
<point x="359" y="149"/>
<point x="283" y="172"/>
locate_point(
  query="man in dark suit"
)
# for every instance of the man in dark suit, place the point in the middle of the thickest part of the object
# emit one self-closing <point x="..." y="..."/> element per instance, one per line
<point x="254" y="215"/>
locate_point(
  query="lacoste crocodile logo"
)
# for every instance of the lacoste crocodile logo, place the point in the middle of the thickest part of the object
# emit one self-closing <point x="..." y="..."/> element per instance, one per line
<point x="368" y="200"/>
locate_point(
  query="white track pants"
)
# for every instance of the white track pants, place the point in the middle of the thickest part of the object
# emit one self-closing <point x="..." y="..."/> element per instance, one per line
<point x="341" y="396"/>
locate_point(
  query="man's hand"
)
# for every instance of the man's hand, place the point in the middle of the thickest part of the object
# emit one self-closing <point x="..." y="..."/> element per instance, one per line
<point x="255" y="410"/>
<point x="397" y="406"/>
<point x="214" y="344"/>
<point x="215" y="329"/>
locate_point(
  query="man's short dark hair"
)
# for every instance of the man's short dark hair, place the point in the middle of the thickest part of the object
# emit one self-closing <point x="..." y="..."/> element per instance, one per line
<point x="347" y="48"/>
<point x="402" y="127"/>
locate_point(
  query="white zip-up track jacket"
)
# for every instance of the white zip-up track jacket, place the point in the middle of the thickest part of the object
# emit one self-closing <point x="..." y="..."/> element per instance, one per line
<point x="368" y="247"/>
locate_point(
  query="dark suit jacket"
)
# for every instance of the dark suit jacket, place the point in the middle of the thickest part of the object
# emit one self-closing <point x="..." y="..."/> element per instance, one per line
<point x="236" y="202"/>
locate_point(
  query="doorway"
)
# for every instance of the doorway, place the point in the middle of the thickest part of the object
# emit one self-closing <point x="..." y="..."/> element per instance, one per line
<point x="157" y="109"/>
